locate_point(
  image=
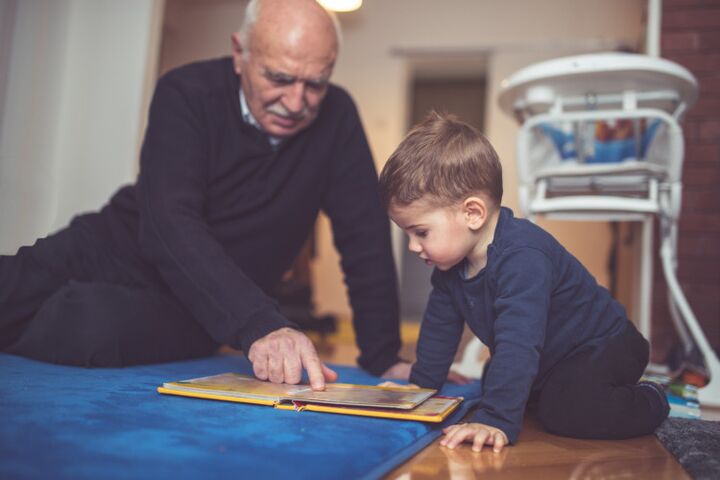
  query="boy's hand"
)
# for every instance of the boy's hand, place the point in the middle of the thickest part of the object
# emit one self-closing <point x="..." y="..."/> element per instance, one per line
<point x="399" y="371"/>
<point x="397" y="385"/>
<point x="458" y="378"/>
<point x="477" y="433"/>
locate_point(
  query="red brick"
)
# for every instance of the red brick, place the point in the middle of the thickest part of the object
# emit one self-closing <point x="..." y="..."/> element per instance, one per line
<point x="680" y="3"/>
<point x="709" y="84"/>
<point x="679" y="41"/>
<point x="701" y="153"/>
<point x="704" y="245"/>
<point x="688" y="19"/>
<point x="698" y="221"/>
<point x="709" y="131"/>
<point x="701" y="198"/>
<point x="693" y="269"/>
<point x="697" y="63"/>
<point x="709" y="40"/>
<point x="701" y="290"/>
<point x="691" y="131"/>
<point x="708" y="176"/>
<point x="708" y="106"/>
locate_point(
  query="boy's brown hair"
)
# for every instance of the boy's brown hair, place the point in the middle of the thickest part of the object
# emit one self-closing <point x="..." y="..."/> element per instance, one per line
<point x="443" y="158"/>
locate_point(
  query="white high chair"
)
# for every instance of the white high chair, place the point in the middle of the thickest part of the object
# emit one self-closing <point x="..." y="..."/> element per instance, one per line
<point x="565" y="173"/>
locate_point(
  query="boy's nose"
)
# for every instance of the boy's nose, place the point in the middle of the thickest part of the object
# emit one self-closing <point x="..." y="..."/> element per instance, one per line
<point x="414" y="246"/>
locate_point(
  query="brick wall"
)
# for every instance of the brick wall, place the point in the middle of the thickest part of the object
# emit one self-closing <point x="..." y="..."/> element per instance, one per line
<point x="691" y="37"/>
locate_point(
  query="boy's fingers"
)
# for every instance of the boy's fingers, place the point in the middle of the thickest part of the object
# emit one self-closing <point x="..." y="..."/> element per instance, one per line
<point x="459" y="435"/>
<point x="389" y="384"/>
<point x="449" y="429"/>
<point x="457" y="378"/>
<point x="499" y="442"/>
<point x="480" y="438"/>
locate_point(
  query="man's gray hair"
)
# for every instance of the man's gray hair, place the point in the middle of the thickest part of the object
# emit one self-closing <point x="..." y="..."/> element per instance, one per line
<point x="251" y="14"/>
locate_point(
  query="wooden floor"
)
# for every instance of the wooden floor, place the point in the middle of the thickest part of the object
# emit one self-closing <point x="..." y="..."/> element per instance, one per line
<point x="537" y="453"/>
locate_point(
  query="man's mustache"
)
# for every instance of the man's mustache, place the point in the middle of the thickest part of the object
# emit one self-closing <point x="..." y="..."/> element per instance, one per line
<point x="279" y="109"/>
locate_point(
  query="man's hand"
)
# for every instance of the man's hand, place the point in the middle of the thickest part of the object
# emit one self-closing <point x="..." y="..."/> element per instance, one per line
<point x="477" y="433"/>
<point x="280" y="357"/>
<point x="399" y="371"/>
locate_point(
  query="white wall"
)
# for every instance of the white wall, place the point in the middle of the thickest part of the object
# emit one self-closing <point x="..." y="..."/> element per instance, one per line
<point x="383" y="38"/>
<point x="75" y="97"/>
<point x="78" y="84"/>
<point x="386" y="37"/>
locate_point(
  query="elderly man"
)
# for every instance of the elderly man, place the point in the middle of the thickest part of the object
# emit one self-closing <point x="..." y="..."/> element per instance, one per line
<point x="239" y="156"/>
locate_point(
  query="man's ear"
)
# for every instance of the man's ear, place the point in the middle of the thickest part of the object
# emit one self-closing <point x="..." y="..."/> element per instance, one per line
<point x="475" y="212"/>
<point x="237" y="51"/>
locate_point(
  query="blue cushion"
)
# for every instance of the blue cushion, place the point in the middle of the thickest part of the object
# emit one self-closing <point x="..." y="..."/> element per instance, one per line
<point x="72" y="422"/>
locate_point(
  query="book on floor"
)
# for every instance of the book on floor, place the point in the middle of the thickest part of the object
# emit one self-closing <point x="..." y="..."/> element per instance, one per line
<point x="348" y="399"/>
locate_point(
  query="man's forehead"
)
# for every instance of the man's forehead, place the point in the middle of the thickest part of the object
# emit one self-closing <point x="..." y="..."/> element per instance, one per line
<point x="296" y="60"/>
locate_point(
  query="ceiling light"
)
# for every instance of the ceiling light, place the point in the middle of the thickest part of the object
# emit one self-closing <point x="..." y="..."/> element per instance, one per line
<point x="341" y="5"/>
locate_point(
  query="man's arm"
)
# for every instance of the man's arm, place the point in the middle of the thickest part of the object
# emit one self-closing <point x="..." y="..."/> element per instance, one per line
<point x="361" y="233"/>
<point x="175" y="238"/>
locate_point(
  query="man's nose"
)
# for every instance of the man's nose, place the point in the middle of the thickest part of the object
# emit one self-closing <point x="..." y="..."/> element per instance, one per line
<point x="294" y="98"/>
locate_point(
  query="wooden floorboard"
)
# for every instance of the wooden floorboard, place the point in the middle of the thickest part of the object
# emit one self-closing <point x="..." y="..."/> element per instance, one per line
<point x="537" y="454"/>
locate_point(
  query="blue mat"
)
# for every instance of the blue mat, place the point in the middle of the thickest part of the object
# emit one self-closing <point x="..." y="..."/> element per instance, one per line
<point x="71" y="422"/>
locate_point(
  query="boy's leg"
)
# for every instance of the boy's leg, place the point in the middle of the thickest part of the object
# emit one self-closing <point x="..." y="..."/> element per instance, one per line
<point x="104" y="325"/>
<point x="594" y="394"/>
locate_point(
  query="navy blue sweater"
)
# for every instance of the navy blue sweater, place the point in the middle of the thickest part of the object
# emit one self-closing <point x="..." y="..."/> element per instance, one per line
<point x="533" y="305"/>
<point x="218" y="215"/>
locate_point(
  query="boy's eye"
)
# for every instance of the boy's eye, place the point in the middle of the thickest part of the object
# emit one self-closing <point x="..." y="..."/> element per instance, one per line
<point x="421" y="233"/>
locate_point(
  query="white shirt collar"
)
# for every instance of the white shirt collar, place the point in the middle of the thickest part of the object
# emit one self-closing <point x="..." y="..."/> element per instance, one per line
<point x="249" y="118"/>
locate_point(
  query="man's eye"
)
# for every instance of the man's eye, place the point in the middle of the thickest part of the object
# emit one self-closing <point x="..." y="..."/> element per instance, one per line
<point x="316" y="86"/>
<point x="282" y="80"/>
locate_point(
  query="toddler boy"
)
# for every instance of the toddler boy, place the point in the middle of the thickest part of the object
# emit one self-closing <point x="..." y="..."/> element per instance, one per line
<point x="557" y="339"/>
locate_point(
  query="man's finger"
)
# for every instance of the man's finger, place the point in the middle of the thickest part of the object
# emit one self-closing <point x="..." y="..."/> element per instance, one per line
<point x="329" y="374"/>
<point x="293" y="369"/>
<point x="260" y="367"/>
<point x="312" y="365"/>
<point x="275" y="367"/>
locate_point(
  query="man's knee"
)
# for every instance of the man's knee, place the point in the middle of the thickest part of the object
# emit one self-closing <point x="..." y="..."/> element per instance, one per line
<point x="103" y="325"/>
<point x="77" y="325"/>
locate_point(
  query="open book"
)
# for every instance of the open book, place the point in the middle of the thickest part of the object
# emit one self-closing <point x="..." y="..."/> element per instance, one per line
<point x="347" y="399"/>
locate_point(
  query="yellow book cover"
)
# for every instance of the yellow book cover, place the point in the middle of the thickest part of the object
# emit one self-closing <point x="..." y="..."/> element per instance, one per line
<point x="342" y="398"/>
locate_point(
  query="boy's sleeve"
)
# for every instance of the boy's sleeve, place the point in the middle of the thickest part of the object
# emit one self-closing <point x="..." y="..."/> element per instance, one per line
<point x="523" y="279"/>
<point x="440" y="334"/>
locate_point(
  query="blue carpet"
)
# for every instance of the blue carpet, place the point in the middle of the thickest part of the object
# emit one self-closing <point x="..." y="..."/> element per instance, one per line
<point x="72" y="422"/>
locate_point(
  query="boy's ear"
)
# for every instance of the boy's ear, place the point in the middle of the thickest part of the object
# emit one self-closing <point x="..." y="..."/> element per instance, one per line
<point x="475" y="212"/>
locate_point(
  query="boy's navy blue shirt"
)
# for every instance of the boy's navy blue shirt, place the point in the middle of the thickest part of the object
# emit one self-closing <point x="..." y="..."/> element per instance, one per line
<point x="533" y="305"/>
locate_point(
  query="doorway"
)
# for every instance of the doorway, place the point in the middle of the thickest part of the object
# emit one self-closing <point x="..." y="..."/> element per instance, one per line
<point x="462" y="94"/>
